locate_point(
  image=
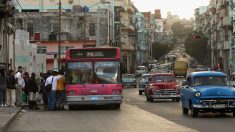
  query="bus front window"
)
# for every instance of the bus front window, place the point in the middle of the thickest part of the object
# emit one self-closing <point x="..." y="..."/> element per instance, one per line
<point x="79" y="73"/>
<point x="106" y="72"/>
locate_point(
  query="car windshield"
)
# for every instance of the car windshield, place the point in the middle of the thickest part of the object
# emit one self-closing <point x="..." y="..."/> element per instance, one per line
<point x="127" y="78"/>
<point x="145" y="78"/>
<point x="211" y="80"/>
<point x="162" y="78"/>
<point x="82" y="72"/>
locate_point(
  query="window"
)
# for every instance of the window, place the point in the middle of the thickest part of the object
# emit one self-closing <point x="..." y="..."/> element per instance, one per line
<point x="92" y="29"/>
<point x="210" y="80"/>
<point x="55" y="28"/>
<point x="41" y="49"/>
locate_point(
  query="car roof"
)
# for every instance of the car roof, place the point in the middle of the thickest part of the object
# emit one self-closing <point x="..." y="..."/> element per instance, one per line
<point x="141" y="66"/>
<point x="155" y="74"/>
<point x="128" y="75"/>
<point x="146" y="75"/>
<point x="207" y="73"/>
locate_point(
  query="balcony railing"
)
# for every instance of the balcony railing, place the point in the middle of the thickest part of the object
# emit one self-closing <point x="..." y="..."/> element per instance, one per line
<point x="121" y="5"/>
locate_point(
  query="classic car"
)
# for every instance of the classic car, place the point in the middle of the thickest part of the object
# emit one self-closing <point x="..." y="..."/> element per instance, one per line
<point x="141" y="70"/>
<point x="143" y="82"/>
<point x="128" y="80"/>
<point x="207" y="91"/>
<point x="162" y="86"/>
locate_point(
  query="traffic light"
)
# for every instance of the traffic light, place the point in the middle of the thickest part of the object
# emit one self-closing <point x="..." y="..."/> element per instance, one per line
<point x="196" y="37"/>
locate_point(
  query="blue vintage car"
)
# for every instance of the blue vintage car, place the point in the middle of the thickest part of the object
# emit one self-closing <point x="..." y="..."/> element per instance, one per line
<point x="207" y="91"/>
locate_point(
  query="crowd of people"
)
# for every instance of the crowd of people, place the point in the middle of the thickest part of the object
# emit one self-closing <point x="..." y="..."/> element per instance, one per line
<point x="18" y="88"/>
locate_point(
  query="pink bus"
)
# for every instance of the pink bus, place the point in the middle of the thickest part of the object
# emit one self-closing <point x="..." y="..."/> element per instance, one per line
<point x="93" y="77"/>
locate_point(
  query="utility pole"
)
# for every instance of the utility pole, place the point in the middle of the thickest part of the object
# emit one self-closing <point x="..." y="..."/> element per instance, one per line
<point x="84" y="27"/>
<point x="98" y="28"/>
<point x="59" y="46"/>
<point x="5" y="44"/>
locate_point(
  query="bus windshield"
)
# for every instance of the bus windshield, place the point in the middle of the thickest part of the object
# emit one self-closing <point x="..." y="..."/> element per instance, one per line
<point x="105" y="72"/>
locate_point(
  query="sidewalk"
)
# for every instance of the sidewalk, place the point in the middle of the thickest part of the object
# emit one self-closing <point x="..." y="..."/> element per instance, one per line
<point x="7" y="114"/>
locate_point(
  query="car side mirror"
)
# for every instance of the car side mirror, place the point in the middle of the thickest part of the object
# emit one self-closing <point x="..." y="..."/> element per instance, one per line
<point x="184" y="83"/>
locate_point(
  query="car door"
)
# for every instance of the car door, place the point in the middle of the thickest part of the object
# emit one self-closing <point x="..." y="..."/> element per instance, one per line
<point x="186" y="92"/>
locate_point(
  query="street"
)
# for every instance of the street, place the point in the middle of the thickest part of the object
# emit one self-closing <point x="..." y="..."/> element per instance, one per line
<point x="106" y="119"/>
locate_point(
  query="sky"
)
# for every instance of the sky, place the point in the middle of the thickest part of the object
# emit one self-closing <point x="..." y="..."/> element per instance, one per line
<point x="182" y="8"/>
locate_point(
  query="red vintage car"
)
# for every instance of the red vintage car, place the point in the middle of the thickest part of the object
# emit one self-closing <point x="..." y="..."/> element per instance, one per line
<point x="162" y="86"/>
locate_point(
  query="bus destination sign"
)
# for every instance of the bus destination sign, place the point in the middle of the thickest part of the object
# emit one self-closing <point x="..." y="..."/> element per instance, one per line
<point x="97" y="53"/>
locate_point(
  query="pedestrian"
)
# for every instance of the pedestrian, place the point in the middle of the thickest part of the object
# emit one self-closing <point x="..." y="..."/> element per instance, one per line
<point x="60" y="92"/>
<point x="43" y="91"/>
<point x="52" y="92"/>
<point x="3" y="84"/>
<point x="26" y="78"/>
<point x="19" y="86"/>
<point x="33" y="88"/>
<point x="11" y="89"/>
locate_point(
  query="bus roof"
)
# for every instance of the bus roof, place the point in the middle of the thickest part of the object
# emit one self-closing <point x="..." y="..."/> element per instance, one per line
<point x="93" y="54"/>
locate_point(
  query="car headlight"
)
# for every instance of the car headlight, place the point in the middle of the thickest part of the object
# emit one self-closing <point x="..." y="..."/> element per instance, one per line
<point x="197" y="94"/>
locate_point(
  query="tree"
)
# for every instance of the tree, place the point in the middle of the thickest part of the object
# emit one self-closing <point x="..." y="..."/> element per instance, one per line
<point x="160" y="49"/>
<point x="180" y="30"/>
<point x="197" y="48"/>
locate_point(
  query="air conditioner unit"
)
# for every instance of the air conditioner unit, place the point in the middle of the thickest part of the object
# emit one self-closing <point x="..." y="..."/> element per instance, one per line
<point x="70" y="1"/>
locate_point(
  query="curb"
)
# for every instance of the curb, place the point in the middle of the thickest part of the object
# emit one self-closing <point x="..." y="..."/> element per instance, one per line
<point x="5" y="127"/>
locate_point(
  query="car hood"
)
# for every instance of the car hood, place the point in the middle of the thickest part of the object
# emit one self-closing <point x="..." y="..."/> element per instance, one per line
<point x="216" y="90"/>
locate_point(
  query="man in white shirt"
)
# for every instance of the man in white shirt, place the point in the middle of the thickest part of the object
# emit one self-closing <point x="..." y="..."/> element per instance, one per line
<point x="52" y="94"/>
<point x="19" y="86"/>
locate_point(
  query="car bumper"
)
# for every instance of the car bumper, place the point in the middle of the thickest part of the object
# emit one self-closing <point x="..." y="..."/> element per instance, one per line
<point x="94" y="100"/>
<point x="216" y="106"/>
<point x="164" y="96"/>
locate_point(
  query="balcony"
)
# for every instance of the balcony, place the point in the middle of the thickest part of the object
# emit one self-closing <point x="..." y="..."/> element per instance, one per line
<point x="226" y="22"/>
<point x="130" y="9"/>
<point x="121" y="21"/>
<point x="121" y="5"/>
<point x="226" y="45"/>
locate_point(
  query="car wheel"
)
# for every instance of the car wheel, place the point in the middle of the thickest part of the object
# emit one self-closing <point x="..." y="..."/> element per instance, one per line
<point x="140" y="92"/>
<point x="184" y="110"/>
<point x="116" y="106"/>
<point x="151" y="99"/>
<point x="194" y="112"/>
<point x="233" y="113"/>
<point x="71" y="107"/>
<point x="177" y="99"/>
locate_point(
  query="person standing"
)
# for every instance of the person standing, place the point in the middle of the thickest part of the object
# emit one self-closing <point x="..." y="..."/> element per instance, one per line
<point x="27" y="86"/>
<point x="3" y="85"/>
<point x="11" y="89"/>
<point x="33" y="88"/>
<point x="19" y="86"/>
<point x="60" y="93"/>
<point x="52" y="93"/>
<point x="43" y="90"/>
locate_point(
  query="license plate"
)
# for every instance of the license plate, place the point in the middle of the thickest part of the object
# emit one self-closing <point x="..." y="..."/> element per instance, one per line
<point x="94" y="98"/>
<point x="219" y="106"/>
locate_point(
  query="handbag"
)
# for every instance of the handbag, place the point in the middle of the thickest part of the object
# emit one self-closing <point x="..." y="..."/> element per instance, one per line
<point x="49" y="86"/>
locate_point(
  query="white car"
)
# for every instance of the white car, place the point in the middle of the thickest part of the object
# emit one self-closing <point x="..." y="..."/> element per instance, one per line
<point x="140" y="70"/>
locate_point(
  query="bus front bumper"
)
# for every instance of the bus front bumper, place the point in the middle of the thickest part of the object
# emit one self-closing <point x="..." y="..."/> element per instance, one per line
<point x="94" y="99"/>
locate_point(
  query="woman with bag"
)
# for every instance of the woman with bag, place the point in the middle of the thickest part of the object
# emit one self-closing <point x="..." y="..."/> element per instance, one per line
<point x="33" y="88"/>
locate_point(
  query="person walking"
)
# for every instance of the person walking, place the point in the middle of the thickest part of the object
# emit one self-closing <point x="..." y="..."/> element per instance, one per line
<point x="11" y="89"/>
<point x="3" y="84"/>
<point x="60" y="92"/>
<point x="33" y="88"/>
<point x="19" y="86"/>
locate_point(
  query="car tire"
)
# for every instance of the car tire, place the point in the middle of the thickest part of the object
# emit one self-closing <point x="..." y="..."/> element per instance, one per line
<point x="194" y="112"/>
<point x="71" y="107"/>
<point x="140" y="92"/>
<point x="151" y="100"/>
<point x="233" y="113"/>
<point x="184" y="110"/>
<point x="116" y="106"/>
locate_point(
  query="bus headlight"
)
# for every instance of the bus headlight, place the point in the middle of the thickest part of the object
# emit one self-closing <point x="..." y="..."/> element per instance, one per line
<point x="197" y="94"/>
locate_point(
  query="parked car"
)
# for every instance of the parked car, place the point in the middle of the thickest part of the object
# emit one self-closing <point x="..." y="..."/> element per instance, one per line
<point x="162" y="86"/>
<point x="201" y="68"/>
<point x="207" y="91"/>
<point x="128" y="80"/>
<point x="141" y="70"/>
<point x="143" y="82"/>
